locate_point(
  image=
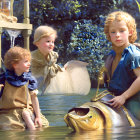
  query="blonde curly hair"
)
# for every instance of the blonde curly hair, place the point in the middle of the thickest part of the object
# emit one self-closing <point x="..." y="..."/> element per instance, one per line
<point x="14" y="55"/>
<point x="119" y="16"/>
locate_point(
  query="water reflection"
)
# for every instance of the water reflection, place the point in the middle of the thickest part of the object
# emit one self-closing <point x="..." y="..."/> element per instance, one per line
<point x="90" y="135"/>
<point x="110" y="134"/>
<point x="63" y="133"/>
<point x="54" y="107"/>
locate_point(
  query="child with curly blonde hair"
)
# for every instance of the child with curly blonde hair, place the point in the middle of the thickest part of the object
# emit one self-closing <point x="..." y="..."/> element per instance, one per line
<point x="123" y="62"/>
<point x="19" y="106"/>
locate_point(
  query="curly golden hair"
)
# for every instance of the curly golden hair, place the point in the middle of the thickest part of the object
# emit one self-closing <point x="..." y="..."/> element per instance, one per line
<point x="119" y="16"/>
<point x="14" y="55"/>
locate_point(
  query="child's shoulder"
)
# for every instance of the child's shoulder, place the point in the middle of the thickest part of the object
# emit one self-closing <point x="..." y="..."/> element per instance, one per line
<point x="37" y="55"/>
<point x="34" y="52"/>
<point x="137" y="45"/>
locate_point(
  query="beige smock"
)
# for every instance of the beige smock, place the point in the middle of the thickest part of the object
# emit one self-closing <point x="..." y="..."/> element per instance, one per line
<point x="12" y="102"/>
<point x="73" y="79"/>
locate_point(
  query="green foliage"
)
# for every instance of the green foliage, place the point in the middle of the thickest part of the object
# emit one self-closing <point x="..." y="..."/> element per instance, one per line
<point x="43" y="11"/>
<point x="51" y="10"/>
<point x="88" y="43"/>
<point x="138" y="5"/>
<point x="39" y="9"/>
<point x="71" y="6"/>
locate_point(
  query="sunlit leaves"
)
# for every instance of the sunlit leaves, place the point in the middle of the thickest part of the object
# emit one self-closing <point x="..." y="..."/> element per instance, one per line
<point x="138" y="5"/>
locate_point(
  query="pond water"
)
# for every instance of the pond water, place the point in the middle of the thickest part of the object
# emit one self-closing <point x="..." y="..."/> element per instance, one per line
<point x="54" y="107"/>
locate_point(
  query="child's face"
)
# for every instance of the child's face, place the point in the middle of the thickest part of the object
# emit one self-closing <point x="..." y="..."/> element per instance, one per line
<point x="119" y="34"/>
<point x="46" y="44"/>
<point x="22" y="66"/>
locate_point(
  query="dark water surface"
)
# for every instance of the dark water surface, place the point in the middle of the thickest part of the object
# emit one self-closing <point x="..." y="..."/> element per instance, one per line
<point x="54" y="107"/>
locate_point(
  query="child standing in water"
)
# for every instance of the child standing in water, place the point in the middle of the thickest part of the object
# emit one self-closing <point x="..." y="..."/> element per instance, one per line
<point x="123" y="62"/>
<point x="18" y="101"/>
<point x="73" y="78"/>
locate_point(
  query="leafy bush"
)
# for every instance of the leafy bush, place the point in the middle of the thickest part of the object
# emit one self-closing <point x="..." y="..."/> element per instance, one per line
<point x="88" y="43"/>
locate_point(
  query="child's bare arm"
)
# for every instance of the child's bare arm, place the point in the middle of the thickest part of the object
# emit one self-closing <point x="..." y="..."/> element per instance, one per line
<point x="135" y="87"/>
<point x="118" y="101"/>
<point x="36" y="108"/>
<point x="1" y="85"/>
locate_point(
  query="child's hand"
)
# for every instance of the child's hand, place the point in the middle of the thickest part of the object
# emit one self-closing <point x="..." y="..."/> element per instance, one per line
<point x="65" y="66"/>
<point x="1" y="85"/>
<point x="117" y="101"/>
<point x="38" y="122"/>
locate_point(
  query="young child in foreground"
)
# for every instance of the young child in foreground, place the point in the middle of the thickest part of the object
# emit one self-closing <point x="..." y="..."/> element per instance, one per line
<point x="123" y="62"/>
<point x="73" y="78"/>
<point x="18" y="101"/>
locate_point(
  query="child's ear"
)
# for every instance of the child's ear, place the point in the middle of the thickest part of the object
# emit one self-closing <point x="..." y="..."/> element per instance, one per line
<point x="36" y="44"/>
<point x="14" y="65"/>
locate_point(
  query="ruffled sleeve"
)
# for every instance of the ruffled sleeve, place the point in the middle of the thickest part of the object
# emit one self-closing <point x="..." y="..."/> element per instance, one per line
<point x="132" y="57"/>
<point x="135" y="62"/>
<point x="32" y="83"/>
<point x="135" y="56"/>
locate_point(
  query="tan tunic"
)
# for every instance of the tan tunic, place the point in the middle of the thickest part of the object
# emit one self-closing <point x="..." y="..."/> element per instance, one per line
<point x="12" y="103"/>
<point x="45" y="66"/>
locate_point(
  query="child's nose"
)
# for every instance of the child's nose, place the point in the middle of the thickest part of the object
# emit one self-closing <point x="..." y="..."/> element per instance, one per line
<point x="117" y="34"/>
<point x="51" y="43"/>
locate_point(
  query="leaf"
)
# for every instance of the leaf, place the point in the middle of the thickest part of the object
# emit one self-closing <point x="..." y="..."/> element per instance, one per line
<point x="138" y="5"/>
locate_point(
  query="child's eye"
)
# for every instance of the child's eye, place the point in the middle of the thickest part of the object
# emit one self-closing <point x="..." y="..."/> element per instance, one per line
<point x="122" y="29"/>
<point x="113" y="32"/>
